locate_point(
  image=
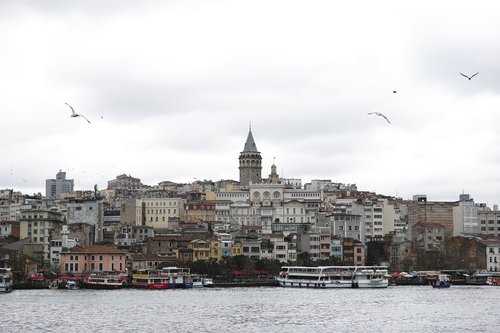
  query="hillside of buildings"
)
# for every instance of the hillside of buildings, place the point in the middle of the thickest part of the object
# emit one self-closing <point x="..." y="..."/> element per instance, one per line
<point x="272" y="219"/>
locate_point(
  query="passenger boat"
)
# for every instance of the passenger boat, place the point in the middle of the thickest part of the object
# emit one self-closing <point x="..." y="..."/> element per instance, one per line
<point x="150" y="279"/>
<point x="104" y="281"/>
<point x="6" y="284"/>
<point x="442" y="281"/>
<point x="334" y="277"/>
<point x="178" y="277"/>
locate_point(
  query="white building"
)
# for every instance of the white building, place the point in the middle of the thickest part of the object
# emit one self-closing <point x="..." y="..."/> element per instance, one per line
<point x="465" y="221"/>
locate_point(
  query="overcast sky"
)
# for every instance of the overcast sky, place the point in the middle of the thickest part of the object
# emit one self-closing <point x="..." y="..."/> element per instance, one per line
<point x="170" y="88"/>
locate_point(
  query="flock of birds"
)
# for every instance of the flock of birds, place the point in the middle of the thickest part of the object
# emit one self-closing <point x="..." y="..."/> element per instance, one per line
<point x="75" y="115"/>
<point x="395" y="91"/>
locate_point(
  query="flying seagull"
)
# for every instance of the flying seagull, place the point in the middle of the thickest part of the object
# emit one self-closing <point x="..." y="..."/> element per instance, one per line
<point x="381" y="115"/>
<point x="469" y="77"/>
<point x="74" y="114"/>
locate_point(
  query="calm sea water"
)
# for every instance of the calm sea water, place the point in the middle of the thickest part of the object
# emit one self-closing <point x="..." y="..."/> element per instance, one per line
<point x="264" y="309"/>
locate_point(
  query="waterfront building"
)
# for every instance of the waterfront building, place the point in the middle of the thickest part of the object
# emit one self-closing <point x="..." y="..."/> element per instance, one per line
<point x="309" y="242"/>
<point x="59" y="245"/>
<point x="250" y="162"/>
<point x="492" y="254"/>
<point x="250" y="246"/>
<point x="465" y="217"/>
<point x="359" y="253"/>
<point x="336" y="248"/>
<point x="428" y="236"/>
<point x="215" y="248"/>
<point x="237" y="249"/>
<point x="422" y="211"/>
<point x="488" y="221"/>
<point x="226" y="242"/>
<point x="38" y="225"/>
<point x="85" y="259"/>
<point x="281" y="248"/>
<point x="201" y="249"/>
<point x="55" y="187"/>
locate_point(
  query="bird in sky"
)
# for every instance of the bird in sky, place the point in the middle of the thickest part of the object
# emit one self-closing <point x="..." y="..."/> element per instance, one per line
<point x="74" y="114"/>
<point x="469" y="77"/>
<point x="381" y="115"/>
<point x="394" y="91"/>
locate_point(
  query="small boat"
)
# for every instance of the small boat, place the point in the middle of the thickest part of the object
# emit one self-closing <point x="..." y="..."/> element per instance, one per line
<point x="71" y="285"/>
<point x="208" y="282"/>
<point x="200" y="281"/>
<point x="442" y="281"/>
<point x="54" y="284"/>
<point x="6" y="284"/>
<point x="104" y="281"/>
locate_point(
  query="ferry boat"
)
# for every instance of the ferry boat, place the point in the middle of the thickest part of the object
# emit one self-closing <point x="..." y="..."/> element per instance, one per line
<point x="178" y="277"/>
<point x="104" y="281"/>
<point x="150" y="279"/>
<point x="334" y="277"/>
<point x="6" y="284"/>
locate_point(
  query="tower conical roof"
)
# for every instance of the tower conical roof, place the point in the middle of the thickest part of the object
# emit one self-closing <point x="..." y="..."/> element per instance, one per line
<point x="250" y="145"/>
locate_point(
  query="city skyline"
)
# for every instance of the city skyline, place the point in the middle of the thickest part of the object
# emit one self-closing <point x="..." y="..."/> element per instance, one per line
<point x="170" y="89"/>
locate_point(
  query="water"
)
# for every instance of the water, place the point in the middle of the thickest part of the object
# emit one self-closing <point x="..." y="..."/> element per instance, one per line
<point x="264" y="309"/>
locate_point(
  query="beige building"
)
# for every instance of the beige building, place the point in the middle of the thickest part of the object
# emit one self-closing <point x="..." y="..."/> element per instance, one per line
<point x="153" y="212"/>
<point x="38" y="226"/>
<point x="422" y="211"/>
<point x="200" y="211"/>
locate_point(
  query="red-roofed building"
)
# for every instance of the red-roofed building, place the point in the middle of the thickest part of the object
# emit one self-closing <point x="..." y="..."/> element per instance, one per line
<point x="85" y="259"/>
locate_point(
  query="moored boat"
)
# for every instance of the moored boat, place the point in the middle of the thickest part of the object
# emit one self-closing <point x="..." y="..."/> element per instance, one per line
<point x="334" y="277"/>
<point x="150" y="279"/>
<point x="200" y="281"/>
<point x="6" y="284"/>
<point x="179" y="277"/>
<point x="104" y="281"/>
<point x="441" y="281"/>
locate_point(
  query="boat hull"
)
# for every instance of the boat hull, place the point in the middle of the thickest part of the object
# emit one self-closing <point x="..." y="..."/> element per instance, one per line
<point x="314" y="283"/>
<point x="103" y="286"/>
<point x="6" y="289"/>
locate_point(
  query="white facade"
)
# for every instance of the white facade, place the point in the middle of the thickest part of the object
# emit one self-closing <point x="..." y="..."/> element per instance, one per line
<point x="493" y="256"/>
<point x="465" y="222"/>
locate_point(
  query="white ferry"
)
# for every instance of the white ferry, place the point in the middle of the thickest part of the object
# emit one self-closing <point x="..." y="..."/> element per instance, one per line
<point x="6" y="284"/>
<point x="105" y="281"/>
<point x="334" y="277"/>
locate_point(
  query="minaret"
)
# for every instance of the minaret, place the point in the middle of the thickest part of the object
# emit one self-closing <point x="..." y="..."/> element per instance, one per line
<point x="274" y="177"/>
<point x="250" y="162"/>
